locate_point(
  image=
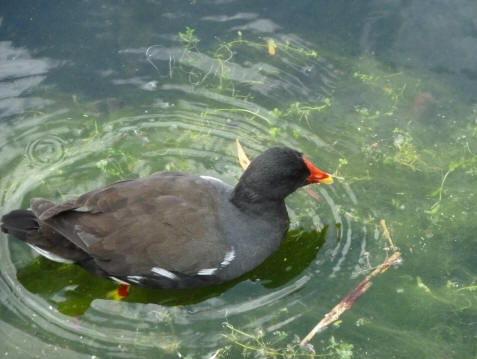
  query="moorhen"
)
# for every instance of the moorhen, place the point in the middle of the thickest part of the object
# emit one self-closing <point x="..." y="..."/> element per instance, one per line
<point x="172" y="229"/>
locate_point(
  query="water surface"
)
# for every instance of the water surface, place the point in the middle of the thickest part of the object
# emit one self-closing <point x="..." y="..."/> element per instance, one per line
<point x="381" y="94"/>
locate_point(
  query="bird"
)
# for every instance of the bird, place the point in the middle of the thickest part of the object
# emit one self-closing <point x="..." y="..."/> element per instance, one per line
<point x="171" y="230"/>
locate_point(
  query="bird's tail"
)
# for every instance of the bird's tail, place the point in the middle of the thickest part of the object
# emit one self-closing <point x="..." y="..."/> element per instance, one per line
<point x="20" y="223"/>
<point x="24" y="225"/>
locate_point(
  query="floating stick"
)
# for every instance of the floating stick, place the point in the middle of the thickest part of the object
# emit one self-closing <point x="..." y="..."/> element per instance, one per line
<point x="352" y="296"/>
<point x="387" y="234"/>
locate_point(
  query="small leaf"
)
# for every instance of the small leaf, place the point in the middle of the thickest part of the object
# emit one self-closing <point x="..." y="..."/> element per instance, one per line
<point x="454" y="165"/>
<point x="242" y="157"/>
<point x="435" y="208"/>
<point x="436" y="192"/>
<point x="420" y="284"/>
<point x="271" y="47"/>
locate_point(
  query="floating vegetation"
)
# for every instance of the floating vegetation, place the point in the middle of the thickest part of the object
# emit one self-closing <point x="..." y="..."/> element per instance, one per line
<point x="405" y="153"/>
<point x="188" y="38"/>
<point x="378" y="130"/>
<point x="398" y="155"/>
<point x="278" y="345"/>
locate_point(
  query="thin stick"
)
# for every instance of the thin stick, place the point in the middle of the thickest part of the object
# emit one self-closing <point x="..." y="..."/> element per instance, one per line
<point x="312" y="193"/>
<point x="352" y="296"/>
<point x="387" y="234"/>
<point x="361" y="288"/>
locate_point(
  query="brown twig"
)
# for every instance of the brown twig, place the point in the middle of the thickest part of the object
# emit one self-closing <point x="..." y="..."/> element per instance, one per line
<point x="352" y="296"/>
<point x="357" y="292"/>
<point x="361" y="288"/>
<point x="312" y="193"/>
<point x="387" y="234"/>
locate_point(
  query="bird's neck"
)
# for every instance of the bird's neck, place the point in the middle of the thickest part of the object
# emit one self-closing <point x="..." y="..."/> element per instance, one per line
<point x="252" y="201"/>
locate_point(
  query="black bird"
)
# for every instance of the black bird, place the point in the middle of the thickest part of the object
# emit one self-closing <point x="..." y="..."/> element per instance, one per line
<point x="172" y="229"/>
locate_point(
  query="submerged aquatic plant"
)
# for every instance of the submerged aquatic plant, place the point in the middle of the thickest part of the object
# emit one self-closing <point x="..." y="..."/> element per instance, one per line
<point x="188" y="38"/>
<point x="374" y="143"/>
<point x="278" y="345"/>
<point x="405" y="152"/>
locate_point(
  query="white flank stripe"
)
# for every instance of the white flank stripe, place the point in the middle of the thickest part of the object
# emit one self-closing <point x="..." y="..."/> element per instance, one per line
<point x="229" y="257"/>
<point x="50" y="255"/>
<point x="163" y="272"/>
<point x="207" y="271"/>
<point x="118" y="280"/>
<point x="134" y="278"/>
<point x="210" y="178"/>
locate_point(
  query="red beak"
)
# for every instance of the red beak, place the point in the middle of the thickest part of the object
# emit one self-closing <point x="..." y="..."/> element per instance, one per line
<point x="316" y="175"/>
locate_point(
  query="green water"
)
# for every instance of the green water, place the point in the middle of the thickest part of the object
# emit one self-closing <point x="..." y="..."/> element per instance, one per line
<point x="401" y="141"/>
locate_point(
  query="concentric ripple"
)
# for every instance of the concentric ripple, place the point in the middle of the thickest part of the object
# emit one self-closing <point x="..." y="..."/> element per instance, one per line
<point x="47" y="149"/>
<point x="202" y="103"/>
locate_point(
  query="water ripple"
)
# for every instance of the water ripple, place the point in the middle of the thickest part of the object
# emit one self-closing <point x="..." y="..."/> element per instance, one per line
<point x="211" y="101"/>
<point x="47" y="149"/>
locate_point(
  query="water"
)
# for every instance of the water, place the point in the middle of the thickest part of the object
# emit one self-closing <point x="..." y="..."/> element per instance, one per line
<point x="382" y="94"/>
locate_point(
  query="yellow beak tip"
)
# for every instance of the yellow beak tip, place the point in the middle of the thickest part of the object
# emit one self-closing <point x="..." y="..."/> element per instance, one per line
<point x="327" y="180"/>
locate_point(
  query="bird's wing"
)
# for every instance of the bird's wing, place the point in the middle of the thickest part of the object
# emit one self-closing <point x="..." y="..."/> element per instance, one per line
<point x="136" y="226"/>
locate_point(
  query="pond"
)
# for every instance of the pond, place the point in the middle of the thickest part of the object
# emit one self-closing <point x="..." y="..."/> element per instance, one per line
<point x="380" y="94"/>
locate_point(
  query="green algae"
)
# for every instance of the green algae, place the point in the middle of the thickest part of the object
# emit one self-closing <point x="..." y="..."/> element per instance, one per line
<point x="416" y="169"/>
